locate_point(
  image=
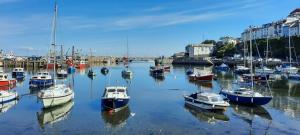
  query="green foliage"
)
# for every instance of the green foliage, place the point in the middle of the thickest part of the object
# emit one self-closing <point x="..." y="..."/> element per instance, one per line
<point x="209" y="42"/>
<point x="226" y="50"/>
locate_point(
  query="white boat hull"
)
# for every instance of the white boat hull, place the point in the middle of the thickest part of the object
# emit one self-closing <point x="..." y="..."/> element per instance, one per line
<point x="54" y="101"/>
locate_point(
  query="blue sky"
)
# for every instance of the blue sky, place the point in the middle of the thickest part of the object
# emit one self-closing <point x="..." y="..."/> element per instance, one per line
<point x="153" y="27"/>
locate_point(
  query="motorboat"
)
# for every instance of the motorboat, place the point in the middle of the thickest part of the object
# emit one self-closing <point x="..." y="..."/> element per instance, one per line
<point x="62" y="74"/>
<point x="115" y="98"/>
<point x="222" y="68"/>
<point x="18" y="73"/>
<point x="206" y="100"/>
<point x="203" y="76"/>
<point x="41" y="79"/>
<point x="127" y="72"/>
<point x="264" y="70"/>
<point x="242" y="70"/>
<point x="5" y="81"/>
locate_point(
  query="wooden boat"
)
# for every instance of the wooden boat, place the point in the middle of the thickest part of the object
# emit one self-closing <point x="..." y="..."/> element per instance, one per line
<point x="4" y="81"/>
<point x="115" y="98"/>
<point x="205" y="100"/>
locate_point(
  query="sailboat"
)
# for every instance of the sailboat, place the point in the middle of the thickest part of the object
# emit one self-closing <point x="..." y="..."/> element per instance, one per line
<point x="242" y="69"/>
<point x="59" y="93"/>
<point x="91" y="72"/>
<point x="264" y="69"/>
<point x="247" y="95"/>
<point x="127" y="73"/>
<point x="292" y="72"/>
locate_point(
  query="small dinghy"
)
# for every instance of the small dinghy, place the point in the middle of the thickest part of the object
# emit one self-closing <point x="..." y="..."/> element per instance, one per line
<point x="205" y="100"/>
<point x="104" y="70"/>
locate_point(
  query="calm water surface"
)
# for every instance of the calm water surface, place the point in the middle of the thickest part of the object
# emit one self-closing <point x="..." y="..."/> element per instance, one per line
<point x="156" y="107"/>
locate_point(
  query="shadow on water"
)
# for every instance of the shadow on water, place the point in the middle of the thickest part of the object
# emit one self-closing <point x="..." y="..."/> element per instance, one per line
<point x="116" y="119"/>
<point x="210" y="117"/>
<point x="249" y="113"/>
<point x="54" y="114"/>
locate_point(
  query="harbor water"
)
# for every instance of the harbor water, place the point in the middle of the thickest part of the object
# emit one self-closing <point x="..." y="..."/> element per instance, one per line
<point x="156" y="106"/>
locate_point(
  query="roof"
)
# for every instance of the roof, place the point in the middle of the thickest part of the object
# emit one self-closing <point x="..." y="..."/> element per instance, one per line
<point x="200" y="45"/>
<point x="297" y="10"/>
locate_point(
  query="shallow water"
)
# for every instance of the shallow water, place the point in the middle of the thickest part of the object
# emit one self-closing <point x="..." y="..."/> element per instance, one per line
<point x="156" y="107"/>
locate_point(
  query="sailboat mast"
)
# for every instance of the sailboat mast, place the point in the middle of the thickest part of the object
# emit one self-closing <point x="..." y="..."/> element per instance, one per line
<point x="290" y="50"/>
<point x="54" y="39"/>
<point x="267" y="51"/>
<point x="245" y="51"/>
<point x="251" y="67"/>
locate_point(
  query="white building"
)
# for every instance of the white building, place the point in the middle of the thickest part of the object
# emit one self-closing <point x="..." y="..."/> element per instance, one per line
<point x="276" y="29"/>
<point x="199" y="50"/>
<point x="228" y="40"/>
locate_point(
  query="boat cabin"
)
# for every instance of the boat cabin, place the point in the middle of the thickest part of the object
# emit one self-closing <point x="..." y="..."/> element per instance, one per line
<point x="3" y="76"/>
<point x="18" y="70"/>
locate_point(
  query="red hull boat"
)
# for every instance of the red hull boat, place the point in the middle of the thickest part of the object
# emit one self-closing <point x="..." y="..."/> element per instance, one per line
<point x="207" y="77"/>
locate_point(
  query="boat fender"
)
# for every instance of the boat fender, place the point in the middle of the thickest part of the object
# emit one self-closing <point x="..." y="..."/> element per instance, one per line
<point x="251" y="100"/>
<point x="237" y="99"/>
<point x="213" y="106"/>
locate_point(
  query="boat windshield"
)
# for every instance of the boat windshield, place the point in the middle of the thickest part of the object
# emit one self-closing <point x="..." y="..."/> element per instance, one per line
<point x="120" y="90"/>
<point x="111" y="90"/>
<point x="216" y="99"/>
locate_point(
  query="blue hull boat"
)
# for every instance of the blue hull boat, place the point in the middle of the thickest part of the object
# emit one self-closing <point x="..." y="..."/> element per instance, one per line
<point x="246" y="100"/>
<point x="40" y="83"/>
<point x="114" y="104"/>
<point x="71" y="70"/>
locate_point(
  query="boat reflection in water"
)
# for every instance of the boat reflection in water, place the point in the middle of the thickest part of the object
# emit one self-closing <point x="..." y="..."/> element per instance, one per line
<point x="54" y="114"/>
<point x="116" y="119"/>
<point x="249" y="113"/>
<point x="4" y="107"/>
<point x="203" y="85"/>
<point x="208" y="116"/>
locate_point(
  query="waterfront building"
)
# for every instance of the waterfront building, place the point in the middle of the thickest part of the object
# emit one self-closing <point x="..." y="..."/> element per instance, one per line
<point x="276" y="29"/>
<point x="228" y="40"/>
<point x="199" y="50"/>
